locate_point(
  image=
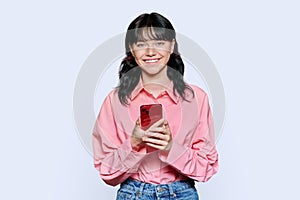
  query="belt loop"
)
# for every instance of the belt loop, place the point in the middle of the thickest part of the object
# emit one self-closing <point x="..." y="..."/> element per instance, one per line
<point x="172" y="194"/>
<point x="139" y="193"/>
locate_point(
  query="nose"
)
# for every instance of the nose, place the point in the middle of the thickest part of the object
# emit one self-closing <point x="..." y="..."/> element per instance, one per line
<point x="150" y="51"/>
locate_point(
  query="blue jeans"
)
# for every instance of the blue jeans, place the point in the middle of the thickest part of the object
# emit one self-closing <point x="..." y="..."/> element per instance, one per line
<point x="180" y="190"/>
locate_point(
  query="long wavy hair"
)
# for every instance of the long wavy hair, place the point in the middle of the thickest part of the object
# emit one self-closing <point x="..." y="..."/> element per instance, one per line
<point x="151" y="26"/>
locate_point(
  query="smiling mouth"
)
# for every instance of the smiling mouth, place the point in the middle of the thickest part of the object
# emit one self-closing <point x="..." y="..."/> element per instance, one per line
<point x="151" y="60"/>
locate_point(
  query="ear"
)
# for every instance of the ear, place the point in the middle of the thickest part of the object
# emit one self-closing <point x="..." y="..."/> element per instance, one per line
<point x="172" y="45"/>
<point x="131" y="50"/>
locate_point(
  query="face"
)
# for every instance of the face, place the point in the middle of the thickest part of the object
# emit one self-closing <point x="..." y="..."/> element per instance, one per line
<point x="152" y="56"/>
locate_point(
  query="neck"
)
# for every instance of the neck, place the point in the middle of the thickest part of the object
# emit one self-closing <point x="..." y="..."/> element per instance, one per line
<point x="156" y="79"/>
<point x="156" y="83"/>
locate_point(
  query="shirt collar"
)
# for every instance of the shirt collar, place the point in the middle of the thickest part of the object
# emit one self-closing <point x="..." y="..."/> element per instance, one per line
<point x="140" y="87"/>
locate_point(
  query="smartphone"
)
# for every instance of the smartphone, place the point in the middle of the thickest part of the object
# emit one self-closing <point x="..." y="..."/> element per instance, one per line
<point x="150" y="114"/>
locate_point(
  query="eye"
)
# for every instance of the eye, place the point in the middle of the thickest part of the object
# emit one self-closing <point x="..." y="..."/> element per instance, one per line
<point x="160" y="43"/>
<point x="140" y="44"/>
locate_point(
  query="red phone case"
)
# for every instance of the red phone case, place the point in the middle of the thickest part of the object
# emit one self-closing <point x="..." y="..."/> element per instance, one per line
<point x="150" y="114"/>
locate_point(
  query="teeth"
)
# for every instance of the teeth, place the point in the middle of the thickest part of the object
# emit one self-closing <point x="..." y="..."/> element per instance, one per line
<point x="151" y="61"/>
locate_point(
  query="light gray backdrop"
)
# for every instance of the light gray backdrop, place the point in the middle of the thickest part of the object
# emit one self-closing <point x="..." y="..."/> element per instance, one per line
<point x="254" y="45"/>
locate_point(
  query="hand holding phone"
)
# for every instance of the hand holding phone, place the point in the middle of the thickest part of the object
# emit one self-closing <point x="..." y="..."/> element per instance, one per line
<point x="149" y="114"/>
<point x="159" y="136"/>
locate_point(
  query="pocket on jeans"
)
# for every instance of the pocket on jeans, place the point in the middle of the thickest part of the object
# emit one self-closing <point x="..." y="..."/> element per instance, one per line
<point x="124" y="194"/>
<point x="188" y="194"/>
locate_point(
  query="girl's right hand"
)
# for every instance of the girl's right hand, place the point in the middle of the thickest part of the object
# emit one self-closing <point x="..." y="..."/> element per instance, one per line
<point x="137" y="135"/>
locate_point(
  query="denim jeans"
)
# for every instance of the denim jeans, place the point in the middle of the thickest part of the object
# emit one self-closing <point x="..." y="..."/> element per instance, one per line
<point x="179" y="190"/>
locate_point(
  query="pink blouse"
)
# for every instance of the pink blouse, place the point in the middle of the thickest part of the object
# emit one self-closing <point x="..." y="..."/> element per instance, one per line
<point x="192" y="155"/>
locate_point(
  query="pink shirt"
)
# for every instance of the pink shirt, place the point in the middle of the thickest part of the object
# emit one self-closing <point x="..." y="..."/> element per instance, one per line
<point x="193" y="153"/>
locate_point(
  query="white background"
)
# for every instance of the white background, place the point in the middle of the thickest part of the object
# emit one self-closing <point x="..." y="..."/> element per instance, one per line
<point x="254" y="45"/>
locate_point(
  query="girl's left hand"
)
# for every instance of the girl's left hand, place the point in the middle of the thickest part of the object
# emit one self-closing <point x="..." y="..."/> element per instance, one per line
<point x="158" y="136"/>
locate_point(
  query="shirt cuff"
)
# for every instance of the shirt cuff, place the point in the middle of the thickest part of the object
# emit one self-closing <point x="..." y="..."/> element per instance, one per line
<point x="129" y="157"/>
<point x="171" y="156"/>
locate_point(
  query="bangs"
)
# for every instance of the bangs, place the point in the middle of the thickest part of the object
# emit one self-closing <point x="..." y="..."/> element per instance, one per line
<point x="153" y="33"/>
<point x="150" y="33"/>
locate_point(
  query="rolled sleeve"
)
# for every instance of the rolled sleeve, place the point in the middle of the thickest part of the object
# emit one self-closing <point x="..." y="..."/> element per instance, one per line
<point x="114" y="158"/>
<point x="199" y="159"/>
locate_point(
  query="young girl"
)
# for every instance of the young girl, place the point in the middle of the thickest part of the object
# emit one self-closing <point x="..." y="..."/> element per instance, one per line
<point x="163" y="160"/>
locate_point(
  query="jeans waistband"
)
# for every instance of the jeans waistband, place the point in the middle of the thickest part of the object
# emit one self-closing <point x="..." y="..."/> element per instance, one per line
<point x="171" y="188"/>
